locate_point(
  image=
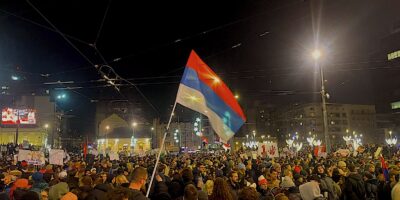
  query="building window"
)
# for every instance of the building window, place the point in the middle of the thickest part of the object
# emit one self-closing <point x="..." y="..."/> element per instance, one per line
<point x="344" y="115"/>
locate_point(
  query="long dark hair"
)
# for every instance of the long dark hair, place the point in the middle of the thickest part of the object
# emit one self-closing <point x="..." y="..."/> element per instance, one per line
<point x="221" y="190"/>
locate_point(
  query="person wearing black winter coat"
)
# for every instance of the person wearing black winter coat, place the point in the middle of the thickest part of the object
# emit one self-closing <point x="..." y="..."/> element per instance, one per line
<point x="354" y="187"/>
<point x="99" y="192"/>
<point x="371" y="186"/>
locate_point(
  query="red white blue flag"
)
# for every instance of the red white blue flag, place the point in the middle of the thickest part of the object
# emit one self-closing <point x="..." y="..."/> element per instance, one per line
<point x="203" y="91"/>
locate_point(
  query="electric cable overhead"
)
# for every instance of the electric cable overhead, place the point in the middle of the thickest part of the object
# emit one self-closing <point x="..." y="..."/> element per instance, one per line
<point x="110" y="70"/>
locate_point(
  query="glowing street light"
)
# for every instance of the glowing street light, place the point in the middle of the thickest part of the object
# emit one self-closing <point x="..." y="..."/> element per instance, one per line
<point x="316" y="54"/>
<point x="134" y="124"/>
<point x="107" y="128"/>
<point x="14" y="78"/>
<point x="236" y="96"/>
<point x="61" y="96"/>
<point x="46" y="126"/>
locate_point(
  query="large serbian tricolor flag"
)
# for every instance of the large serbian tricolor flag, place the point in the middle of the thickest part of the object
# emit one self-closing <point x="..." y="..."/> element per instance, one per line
<point x="203" y="91"/>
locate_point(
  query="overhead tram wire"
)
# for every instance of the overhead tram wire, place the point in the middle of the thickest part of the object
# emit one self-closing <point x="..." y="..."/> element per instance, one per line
<point x="231" y="75"/>
<point x="43" y="26"/>
<point x="87" y="59"/>
<point x="102" y="22"/>
<point x="61" y="33"/>
<point x="94" y="45"/>
<point x="179" y="40"/>
<point x="117" y="76"/>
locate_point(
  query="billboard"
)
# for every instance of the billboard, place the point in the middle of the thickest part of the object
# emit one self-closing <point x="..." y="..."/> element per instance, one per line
<point x="10" y="116"/>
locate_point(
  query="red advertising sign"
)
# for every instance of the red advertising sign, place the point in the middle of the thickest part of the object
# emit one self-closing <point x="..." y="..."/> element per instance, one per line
<point x="10" y="116"/>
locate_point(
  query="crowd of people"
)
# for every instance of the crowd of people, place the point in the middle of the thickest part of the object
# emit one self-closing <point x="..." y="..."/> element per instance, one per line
<point x="215" y="176"/>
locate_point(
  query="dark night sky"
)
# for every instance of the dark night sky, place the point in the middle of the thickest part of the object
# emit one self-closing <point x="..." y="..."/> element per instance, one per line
<point x="259" y="47"/>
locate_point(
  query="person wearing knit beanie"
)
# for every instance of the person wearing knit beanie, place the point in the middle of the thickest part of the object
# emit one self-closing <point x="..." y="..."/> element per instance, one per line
<point x="262" y="181"/>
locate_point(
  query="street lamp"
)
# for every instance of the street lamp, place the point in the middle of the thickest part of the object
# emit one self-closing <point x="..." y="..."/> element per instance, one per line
<point x="316" y="54"/>
<point x="107" y="128"/>
<point x="134" y="124"/>
<point x="46" y="126"/>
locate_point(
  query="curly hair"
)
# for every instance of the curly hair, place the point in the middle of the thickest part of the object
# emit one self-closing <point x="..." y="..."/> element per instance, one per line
<point x="221" y="190"/>
<point x="248" y="193"/>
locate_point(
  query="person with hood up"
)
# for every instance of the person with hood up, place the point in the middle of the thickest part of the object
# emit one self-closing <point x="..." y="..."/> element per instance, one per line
<point x="38" y="183"/>
<point x="60" y="189"/>
<point x="19" y="184"/>
<point x="310" y="190"/>
<point x="287" y="181"/>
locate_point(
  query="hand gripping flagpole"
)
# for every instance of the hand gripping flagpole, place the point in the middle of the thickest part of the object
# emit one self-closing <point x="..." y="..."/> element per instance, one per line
<point x="161" y="149"/>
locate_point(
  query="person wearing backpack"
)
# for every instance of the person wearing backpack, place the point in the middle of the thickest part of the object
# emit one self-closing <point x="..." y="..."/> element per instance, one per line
<point x="354" y="187"/>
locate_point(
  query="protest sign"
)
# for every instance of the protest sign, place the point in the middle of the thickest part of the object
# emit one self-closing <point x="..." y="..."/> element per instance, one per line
<point x="56" y="156"/>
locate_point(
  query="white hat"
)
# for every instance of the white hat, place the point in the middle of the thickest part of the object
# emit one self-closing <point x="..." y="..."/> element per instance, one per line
<point x="62" y="175"/>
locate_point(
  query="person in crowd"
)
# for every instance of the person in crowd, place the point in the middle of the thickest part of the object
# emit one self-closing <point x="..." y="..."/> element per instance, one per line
<point x="273" y="179"/>
<point x="310" y="190"/>
<point x="233" y="184"/>
<point x="208" y="187"/>
<point x="99" y="191"/>
<point x="19" y="187"/>
<point x="248" y="193"/>
<point x="327" y="185"/>
<point x="287" y="180"/>
<point x="354" y="187"/>
<point x="61" y="188"/>
<point x="38" y="183"/>
<point x="221" y="191"/>
<point x="395" y="194"/>
<point x="371" y="186"/>
<point x="190" y="193"/>
<point x="139" y="178"/>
